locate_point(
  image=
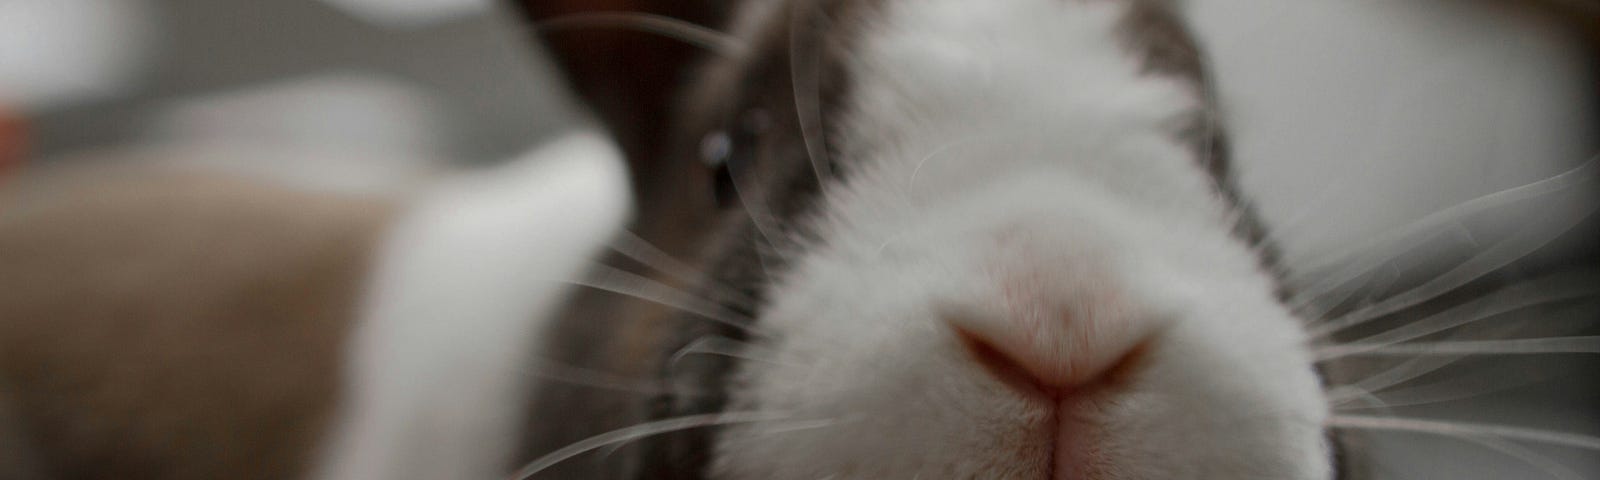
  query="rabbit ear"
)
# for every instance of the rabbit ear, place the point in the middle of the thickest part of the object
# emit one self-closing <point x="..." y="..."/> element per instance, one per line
<point x="628" y="75"/>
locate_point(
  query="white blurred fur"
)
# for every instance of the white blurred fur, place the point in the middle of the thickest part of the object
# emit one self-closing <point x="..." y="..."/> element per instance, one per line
<point x="1000" y="139"/>
<point x="436" y="378"/>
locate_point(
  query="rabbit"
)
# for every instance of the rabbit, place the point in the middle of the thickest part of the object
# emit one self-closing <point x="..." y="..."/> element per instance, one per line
<point x="868" y="239"/>
<point x="956" y="240"/>
<point x="947" y="239"/>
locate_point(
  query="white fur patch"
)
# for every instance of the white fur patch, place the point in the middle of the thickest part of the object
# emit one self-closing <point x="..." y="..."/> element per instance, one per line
<point x="988" y="140"/>
<point x="460" y="286"/>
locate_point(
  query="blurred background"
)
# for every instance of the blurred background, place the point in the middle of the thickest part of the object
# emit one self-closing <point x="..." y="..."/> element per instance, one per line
<point x="404" y="83"/>
<point x="1351" y="118"/>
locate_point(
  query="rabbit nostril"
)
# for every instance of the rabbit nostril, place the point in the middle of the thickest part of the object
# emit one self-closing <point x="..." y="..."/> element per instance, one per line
<point x="1003" y="367"/>
<point x="1055" y="373"/>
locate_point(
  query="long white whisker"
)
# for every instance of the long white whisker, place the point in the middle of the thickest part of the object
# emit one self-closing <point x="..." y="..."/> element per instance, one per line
<point x="1520" y="346"/>
<point x="718" y="345"/>
<point x="1341" y="396"/>
<point x="1346" y="282"/>
<point x="1296" y="220"/>
<point x="1577" y="176"/>
<point x="806" y="82"/>
<point x="1491" y="259"/>
<point x="1354" y="264"/>
<point x="797" y="425"/>
<point x="632" y="246"/>
<point x="1396" y="375"/>
<point x="669" y="27"/>
<point x="1448" y="390"/>
<point x="1327" y="303"/>
<point x="1416" y="366"/>
<point x="911" y="183"/>
<point x="1546" y="464"/>
<point x="1464" y="429"/>
<point x="569" y="374"/>
<point x="1553" y="288"/>
<point x="622" y="282"/>
<point x="644" y="430"/>
<point x="758" y="211"/>
<point x="1350" y="394"/>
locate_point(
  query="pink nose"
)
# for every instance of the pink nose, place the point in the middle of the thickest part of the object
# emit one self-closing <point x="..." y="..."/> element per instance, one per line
<point x="1061" y="360"/>
<point x="1056" y="354"/>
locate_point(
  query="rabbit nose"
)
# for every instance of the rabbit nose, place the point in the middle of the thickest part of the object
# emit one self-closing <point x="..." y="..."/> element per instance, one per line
<point x="1066" y="357"/>
<point x="1058" y="353"/>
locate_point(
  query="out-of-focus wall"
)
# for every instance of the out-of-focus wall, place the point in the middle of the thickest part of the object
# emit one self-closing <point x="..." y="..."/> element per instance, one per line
<point x="1353" y="119"/>
<point x="460" y="71"/>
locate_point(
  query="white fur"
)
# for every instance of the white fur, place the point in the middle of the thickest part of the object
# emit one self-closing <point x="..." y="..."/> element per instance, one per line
<point x="436" y="379"/>
<point x="995" y="140"/>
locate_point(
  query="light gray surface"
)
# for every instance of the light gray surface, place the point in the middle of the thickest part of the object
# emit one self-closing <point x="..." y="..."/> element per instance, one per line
<point x="497" y="98"/>
<point x="1352" y="117"/>
<point x="1355" y="117"/>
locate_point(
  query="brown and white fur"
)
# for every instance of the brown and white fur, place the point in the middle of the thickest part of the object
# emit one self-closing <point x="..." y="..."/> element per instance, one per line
<point x="919" y="239"/>
<point x="1021" y="260"/>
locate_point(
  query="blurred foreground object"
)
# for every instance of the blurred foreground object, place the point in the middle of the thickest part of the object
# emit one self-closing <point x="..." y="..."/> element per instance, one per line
<point x="340" y="131"/>
<point x="13" y="143"/>
<point x="174" y="322"/>
<point x="55" y="53"/>
<point x="410" y="13"/>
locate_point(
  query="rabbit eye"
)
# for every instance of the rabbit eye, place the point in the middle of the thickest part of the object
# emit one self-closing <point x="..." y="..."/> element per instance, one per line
<point x="716" y="150"/>
<point x="726" y="149"/>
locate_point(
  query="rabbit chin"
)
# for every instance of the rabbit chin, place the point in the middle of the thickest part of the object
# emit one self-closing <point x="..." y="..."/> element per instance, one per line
<point x="1045" y="184"/>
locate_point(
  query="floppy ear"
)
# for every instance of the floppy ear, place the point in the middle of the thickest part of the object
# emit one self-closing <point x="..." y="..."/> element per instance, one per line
<point x="627" y="75"/>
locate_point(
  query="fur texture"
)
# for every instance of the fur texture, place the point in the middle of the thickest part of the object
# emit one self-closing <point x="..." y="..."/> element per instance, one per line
<point x="1019" y="140"/>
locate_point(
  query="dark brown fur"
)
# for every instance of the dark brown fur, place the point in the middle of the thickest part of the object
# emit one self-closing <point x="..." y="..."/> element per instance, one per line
<point x="680" y="214"/>
<point x="1154" y="31"/>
